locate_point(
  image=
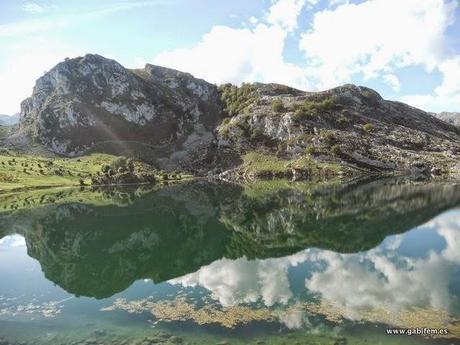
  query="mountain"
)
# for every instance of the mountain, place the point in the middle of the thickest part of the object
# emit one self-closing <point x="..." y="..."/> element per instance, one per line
<point x="92" y="103"/>
<point x="9" y="120"/>
<point x="177" y="122"/>
<point x="449" y="117"/>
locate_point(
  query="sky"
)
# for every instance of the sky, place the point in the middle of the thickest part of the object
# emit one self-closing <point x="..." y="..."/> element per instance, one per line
<point x="407" y="50"/>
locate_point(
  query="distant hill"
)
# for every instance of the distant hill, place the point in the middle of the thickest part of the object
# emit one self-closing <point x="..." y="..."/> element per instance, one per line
<point x="449" y="117"/>
<point x="9" y="120"/>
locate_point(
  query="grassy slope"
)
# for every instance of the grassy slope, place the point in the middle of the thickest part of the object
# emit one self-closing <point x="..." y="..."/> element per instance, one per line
<point x="259" y="162"/>
<point x="27" y="171"/>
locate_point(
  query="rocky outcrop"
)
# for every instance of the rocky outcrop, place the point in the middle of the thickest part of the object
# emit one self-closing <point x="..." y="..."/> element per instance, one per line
<point x="92" y="103"/>
<point x="177" y="122"/>
<point x="351" y="126"/>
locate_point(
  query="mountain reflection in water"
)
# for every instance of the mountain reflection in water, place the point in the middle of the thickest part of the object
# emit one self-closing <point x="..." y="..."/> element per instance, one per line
<point x="321" y="250"/>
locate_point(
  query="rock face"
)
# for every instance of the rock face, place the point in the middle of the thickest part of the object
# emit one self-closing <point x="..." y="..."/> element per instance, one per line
<point x="349" y="125"/>
<point x="169" y="118"/>
<point x="92" y="103"/>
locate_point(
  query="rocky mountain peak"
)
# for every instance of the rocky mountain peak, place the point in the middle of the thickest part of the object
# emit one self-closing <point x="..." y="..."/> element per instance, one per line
<point x="176" y="121"/>
<point x="93" y="103"/>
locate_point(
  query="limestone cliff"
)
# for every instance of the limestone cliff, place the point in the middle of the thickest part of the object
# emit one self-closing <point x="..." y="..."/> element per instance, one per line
<point x="92" y="103"/>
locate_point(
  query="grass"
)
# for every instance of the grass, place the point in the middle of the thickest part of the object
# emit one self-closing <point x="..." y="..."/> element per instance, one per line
<point x="260" y="163"/>
<point x="19" y="171"/>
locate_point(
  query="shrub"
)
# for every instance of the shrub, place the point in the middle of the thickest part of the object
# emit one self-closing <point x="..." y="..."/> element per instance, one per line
<point x="336" y="150"/>
<point x="325" y="104"/>
<point x="237" y="99"/>
<point x="257" y="134"/>
<point x="301" y="113"/>
<point x="130" y="165"/>
<point x="342" y="121"/>
<point x="225" y="121"/>
<point x="310" y="150"/>
<point x="368" y="127"/>
<point x="328" y="136"/>
<point x="278" y="106"/>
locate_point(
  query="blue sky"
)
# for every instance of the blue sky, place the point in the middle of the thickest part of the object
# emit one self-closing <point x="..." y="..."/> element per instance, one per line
<point x="407" y="50"/>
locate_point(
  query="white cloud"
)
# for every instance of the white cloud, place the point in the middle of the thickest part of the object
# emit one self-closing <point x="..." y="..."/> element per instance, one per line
<point x="393" y="81"/>
<point x="373" y="38"/>
<point x="384" y="278"/>
<point x="338" y="2"/>
<point x="379" y="280"/>
<point x="294" y="318"/>
<point x="450" y="68"/>
<point x="51" y="23"/>
<point x="285" y="12"/>
<point x="26" y="62"/>
<point x="253" y="20"/>
<point x="13" y="241"/>
<point x="31" y="27"/>
<point x="233" y="282"/>
<point x="446" y="97"/>
<point x="237" y="55"/>
<point x="33" y="7"/>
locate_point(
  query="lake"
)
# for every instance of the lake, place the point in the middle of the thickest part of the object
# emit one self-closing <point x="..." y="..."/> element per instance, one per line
<point x="218" y="263"/>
